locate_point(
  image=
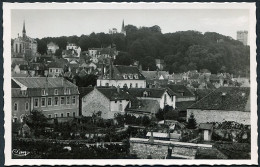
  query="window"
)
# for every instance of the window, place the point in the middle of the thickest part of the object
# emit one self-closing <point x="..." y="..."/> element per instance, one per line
<point x="136" y="85"/>
<point x="120" y="107"/>
<point x="68" y="91"/>
<point x="49" y="101"/>
<point x="43" y="102"/>
<point x="107" y="84"/>
<point x="57" y="70"/>
<point x="56" y="91"/>
<point x="74" y="114"/>
<point x="125" y="76"/>
<point x="73" y="99"/>
<point x="68" y="100"/>
<point x="15" y="119"/>
<point x="136" y="76"/>
<point x="61" y="115"/>
<point x="68" y="114"/>
<point x="62" y="100"/>
<point x="36" y="102"/>
<point x="130" y="85"/>
<point x="26" y="106"/>
<point x="130" y="76"/>
<point x="49" y="116"/>
<point x="22" y="118"/>
<point x="55" y="115"/>
<point x="50" y="70"/>
<point x="56" y="101"/>
<point x="15" y="106"/>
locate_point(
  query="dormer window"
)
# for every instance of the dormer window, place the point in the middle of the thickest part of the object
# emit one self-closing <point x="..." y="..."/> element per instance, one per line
<point x="43" y="92"/>
<point x="125" y="76"/>
<point x="56" y="92"/>
<point x="67" y="91"/>
<point x="130" y="76"/>
<point x="136" y="76"/>
<point x="145" y="94"/>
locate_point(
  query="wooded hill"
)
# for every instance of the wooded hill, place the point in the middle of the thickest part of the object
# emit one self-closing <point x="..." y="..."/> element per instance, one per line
<point x="182" y="51"/>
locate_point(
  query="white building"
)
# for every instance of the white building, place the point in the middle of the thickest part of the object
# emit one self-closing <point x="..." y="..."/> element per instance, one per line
<point x="122" y="76"/>
<point x="52" y="47"/>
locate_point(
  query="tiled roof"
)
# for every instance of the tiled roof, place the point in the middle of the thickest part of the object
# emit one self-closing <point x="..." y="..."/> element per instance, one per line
<point x="83" y="91"/>
<point x="119" y="71"/>
<point x="15" y="85"/>
<point x="155" y="74"/>
<point x="110" y="93"/>
<point x="200" y="93"/>
<point x="144" y="105"/>
<point x="55" y="65"/>
<point x="225" y="98"/>
<point x="182" y="106"/>
<point x="179" y="89"/>
<point x="152" y="92"/>
<point x="39" y="82"/>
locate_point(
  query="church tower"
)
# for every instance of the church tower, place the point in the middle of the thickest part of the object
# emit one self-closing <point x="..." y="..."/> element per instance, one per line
<point x="123" y="28"/>
<point x="24" y="31"/>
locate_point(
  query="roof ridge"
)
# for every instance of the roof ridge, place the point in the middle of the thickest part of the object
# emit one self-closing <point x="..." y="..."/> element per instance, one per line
<point x="203" y="98"/>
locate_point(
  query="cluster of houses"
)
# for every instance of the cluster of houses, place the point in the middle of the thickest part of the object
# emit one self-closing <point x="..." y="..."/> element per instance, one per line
<point x="40" y="84"/>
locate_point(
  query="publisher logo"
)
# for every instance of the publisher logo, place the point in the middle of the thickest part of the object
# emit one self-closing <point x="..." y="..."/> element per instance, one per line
<point x="20" y="153"/>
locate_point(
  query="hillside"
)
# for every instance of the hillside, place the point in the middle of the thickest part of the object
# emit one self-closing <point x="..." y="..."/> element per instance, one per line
<point x="182" y="51"/>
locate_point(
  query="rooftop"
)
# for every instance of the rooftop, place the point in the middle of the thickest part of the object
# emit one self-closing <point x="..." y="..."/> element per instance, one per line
<point x="225" y="98"/>
<point x="40" y="82"/>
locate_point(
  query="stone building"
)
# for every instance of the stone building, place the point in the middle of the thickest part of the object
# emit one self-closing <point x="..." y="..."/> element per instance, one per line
<point x="55" y="97"/>
<point x="162" y="95"/>
<point x="106" y="102"/>
<point x="242" y="36"/>
<point x="223" y="104"/>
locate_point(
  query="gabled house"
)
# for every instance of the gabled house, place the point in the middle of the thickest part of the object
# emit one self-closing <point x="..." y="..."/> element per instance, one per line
<point x="55" y="97"/>
<point x="155" y="78"/>
<point x="122" y="76"/>
<point x="52" y="47"/>
<point x="143" y="107"/>
<point x="161" y="95"/>
<point x="223" y="104"/>
<point x="105" y="102"/>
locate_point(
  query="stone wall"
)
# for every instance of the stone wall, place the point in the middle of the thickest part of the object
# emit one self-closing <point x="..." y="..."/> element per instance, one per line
<point x="204" y="116"/>
<point x="146" y="150"/>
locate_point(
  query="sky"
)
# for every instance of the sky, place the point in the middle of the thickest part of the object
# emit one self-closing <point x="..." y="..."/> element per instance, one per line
<point x="67" y="22"/>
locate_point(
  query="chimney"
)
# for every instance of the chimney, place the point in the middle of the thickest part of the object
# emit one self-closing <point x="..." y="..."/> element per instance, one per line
<point x="118" y="89"/>
<point x="110" y="69"/>
<point x="102" y="70"/>
<point x="140" y="68"/>
<point x="223" y="97"/>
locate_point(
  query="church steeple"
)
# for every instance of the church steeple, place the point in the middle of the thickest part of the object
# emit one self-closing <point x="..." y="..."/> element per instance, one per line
<point x="24" y="31"/>
<point x="123" y="28"/>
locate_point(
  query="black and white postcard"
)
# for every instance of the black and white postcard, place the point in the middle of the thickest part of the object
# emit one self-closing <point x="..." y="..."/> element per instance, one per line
<point x="130" y="83"/>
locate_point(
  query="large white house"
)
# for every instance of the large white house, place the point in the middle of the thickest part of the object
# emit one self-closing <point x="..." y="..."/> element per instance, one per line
<point x="122" y="76"/>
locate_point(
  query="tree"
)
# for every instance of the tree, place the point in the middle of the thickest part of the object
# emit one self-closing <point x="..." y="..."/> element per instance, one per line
<point x="58" y="53"/>
<point x="123" y="58"/>
<point x="192" y="122"/>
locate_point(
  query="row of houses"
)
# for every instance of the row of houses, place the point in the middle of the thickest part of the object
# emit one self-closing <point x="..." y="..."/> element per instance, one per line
<point x="57" y="97"/>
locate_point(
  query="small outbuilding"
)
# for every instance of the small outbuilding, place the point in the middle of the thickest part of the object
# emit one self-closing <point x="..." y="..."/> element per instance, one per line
<point x="206" y="130"/>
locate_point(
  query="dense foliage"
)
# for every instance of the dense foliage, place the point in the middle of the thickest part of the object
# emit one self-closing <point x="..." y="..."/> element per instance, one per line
<point x="182" y="51"/>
